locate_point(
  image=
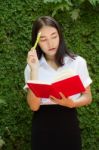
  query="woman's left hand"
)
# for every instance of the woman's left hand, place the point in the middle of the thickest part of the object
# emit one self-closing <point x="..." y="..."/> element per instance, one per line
<point x="64" y="101"/>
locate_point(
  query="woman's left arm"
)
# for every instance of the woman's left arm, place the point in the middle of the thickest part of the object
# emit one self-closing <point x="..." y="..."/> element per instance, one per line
<point x="84" y="99"/>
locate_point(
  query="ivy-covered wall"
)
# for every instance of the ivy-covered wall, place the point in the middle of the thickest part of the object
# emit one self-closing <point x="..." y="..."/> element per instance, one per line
<point x="82" y="37"/>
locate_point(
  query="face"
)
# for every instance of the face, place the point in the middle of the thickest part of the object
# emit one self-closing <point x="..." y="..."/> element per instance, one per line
<point x="49" y="40"/>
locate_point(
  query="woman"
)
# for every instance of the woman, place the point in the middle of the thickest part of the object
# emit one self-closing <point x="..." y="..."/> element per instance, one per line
<point x="55" y="125"/>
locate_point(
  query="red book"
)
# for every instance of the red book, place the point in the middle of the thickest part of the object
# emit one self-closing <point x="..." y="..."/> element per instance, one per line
<point x="68" y="86"/>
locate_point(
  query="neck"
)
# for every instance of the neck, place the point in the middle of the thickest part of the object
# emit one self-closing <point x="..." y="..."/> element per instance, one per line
<point x="51" y="61"/>
<point x="50" y="58"/>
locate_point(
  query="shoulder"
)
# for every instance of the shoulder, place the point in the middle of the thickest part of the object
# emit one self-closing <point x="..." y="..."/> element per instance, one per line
<point x="80" y="60"/>
<point x="76" y="60"/>
<point x="27" y="68"/>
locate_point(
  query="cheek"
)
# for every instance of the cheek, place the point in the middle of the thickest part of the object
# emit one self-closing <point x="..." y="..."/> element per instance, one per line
<point x="42" y="45"/>
<point x="57" y="42"/>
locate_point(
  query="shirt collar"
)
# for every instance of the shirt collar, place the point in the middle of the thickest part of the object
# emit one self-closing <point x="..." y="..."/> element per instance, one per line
<point x="66" y="60"/>
<point x="43" y="61"/>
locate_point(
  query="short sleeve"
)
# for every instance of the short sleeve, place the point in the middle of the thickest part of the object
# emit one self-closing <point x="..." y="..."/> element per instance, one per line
<point x="26" y="76"/>
<point x="83" y="72"/>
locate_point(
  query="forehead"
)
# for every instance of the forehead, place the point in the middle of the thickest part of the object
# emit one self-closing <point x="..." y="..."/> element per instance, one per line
<point x="48" y="30"/>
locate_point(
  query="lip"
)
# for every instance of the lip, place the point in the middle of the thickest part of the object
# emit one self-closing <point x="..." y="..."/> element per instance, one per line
<point x="52" y="49"/>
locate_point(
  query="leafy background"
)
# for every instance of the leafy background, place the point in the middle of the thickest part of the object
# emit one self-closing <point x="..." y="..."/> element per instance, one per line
<point x="80" y="25"/>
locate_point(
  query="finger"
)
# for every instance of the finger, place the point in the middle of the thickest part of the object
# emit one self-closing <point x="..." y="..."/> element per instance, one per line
<point x="31" y="56"/>
<point x="62" y="95"/>
<point x="53" y="98"/>
<point x="31" y="53"/>
<point x="32" y="49"/>
<point x="56" y="100"/>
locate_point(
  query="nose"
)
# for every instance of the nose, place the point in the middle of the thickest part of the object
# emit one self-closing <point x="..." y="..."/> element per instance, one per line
<point x="50" y="43"/>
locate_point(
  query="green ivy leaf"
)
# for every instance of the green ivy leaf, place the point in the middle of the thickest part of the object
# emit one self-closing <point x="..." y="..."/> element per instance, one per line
<point x="94" y="2"/>
<point x="61" y="7"/>
<point x="2" y="142"/>
<point x="2" y="101"/>
<point x="52" y="1"/>
<point x="75" y="14"/>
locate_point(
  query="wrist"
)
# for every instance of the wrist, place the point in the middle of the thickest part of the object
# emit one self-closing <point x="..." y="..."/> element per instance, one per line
<point x="34" y="68"/>
<point x="73" y="104"/>
<point x="34" y="74"/>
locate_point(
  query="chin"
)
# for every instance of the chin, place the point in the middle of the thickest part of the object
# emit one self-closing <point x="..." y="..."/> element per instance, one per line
<point x="53" y="55"/>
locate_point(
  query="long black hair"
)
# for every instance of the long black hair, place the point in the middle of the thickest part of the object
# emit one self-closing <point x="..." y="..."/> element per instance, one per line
<point x="62" y="49"/>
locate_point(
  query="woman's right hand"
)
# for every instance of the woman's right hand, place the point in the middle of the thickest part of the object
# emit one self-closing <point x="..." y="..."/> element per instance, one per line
<point x="32" y="59"/>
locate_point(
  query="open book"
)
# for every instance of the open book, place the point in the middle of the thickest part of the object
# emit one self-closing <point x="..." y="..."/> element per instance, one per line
<point x="66" y="82"/>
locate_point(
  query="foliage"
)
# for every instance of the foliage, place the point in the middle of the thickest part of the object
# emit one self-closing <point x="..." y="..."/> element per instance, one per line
<point x="1" y="142"/>
<point x="81" y="36"/>
<point x="2" y="101"/>
<point x="71" y="7"/>
<point x="94" y="2"/>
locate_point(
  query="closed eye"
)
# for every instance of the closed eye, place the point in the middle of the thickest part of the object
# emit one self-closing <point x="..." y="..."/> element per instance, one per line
<point x="54" y="37"/>
<point x="42" y="40"/>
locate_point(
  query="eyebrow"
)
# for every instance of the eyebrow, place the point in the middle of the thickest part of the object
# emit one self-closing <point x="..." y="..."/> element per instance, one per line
<point x="50" y="34"/>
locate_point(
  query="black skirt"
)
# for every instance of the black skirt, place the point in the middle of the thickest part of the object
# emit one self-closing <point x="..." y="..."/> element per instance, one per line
<point x="55" y="127"/>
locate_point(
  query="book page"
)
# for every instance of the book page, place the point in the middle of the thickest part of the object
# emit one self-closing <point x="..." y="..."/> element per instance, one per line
<point x="38" y="82"/>
<point x="64" y="74"/>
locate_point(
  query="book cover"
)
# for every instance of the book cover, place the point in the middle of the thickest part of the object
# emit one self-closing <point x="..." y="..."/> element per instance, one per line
<point x="68" y="86"/>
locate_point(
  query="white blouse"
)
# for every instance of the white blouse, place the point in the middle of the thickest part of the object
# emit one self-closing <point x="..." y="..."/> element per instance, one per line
<point x="47" y="73"/>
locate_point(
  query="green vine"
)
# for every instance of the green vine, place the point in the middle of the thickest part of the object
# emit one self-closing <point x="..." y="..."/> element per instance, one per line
<point x="70" y="7"/>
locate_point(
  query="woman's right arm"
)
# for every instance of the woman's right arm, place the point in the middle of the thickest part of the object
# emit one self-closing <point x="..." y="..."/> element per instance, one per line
<point x="33" y="101"/>
<point x="33" y="62"/>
